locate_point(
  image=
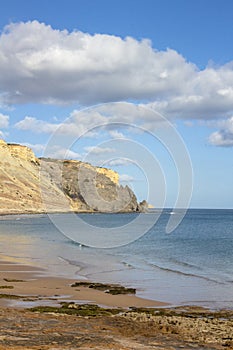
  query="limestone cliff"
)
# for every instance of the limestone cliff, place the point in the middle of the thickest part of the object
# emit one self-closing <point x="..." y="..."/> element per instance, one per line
<point x="32" y="185"/>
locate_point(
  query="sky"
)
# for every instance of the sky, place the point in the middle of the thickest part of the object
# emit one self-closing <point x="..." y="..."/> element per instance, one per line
<point x="142" y="87"/>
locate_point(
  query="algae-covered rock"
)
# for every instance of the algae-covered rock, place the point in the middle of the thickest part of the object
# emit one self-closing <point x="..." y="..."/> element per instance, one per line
<point x="113" y="289"/>
<point x="71" y="308"/>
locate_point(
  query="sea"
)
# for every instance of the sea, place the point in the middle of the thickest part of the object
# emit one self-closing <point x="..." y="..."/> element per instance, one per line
<point x="192" y="265"/>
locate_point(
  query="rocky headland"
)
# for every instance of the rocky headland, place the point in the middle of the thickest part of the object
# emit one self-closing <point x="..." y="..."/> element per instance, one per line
<point x="32" y="185"/>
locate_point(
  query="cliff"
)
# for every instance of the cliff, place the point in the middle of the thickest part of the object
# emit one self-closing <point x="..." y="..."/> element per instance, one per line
<point x="32" y="185"/>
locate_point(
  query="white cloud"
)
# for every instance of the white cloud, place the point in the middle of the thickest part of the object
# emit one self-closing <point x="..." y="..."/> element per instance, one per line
<point x="41" y="65"/>
<point x="4" y="121"/>
<point x="2" y="134"/>
<point x="119" y="162"/>
<point x="116" y="134"/>
<point x="37" y="148"/>
<point x="223" y="137"/>
<point x="4" y="124"/>
<point x="52" y="151"/>
<point x="58" y="152"/>
<point x="189" y="123"/>
<point x="40" y="126"/>
<point x="35" y="125"/>
<point x="126" y="178"/>
<point x="110" y="117"/>
<point x="99" y="150"/>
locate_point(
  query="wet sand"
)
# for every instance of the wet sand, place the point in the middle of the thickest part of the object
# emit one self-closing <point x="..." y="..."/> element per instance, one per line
<point x="29" y="282"/>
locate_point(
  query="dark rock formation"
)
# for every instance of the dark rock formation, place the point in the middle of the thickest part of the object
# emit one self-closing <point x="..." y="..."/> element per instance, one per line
<point x="143" y="206"/>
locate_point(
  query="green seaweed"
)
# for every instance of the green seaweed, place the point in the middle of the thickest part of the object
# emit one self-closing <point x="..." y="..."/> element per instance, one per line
<point x="12" y="280"/>
<point x="120" y="290"/>
<point x="189" y="312"/>
<point x="90" y="310"/>
<point x="22" y="297"/>
<point x="10" y="296"/>
<point x="6" y="287"/>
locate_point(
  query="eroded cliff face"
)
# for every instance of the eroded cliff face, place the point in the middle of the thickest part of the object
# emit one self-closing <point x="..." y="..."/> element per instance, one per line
<point x="18" y="181"/>
<point x="22" y="152"/>
<point x="31" y="185"/>
<point x="89" y="188"/>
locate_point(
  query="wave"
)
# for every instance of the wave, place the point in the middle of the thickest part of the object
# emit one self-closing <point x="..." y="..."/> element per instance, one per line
<point x="183" y="273"/>
<point x="79" y="264"/>
<point x="117" y="269"/>
<point x="77" y="244"/>
<point x="102" y="272"/>
<point x="185" y="264"/>
<point x="128" y="265"/>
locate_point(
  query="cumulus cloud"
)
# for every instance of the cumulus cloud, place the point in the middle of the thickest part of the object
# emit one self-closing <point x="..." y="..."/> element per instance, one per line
<point x="4" y="124"/>
<point x="59" y="152"/>
<point x="119" y="162"/>
<point x="39" y="64"/>
<point x="126" y="178"/>
<point x="4" y="121"/>
<point x="37" y="148"/>
<point x="223" y="137"/>
<point x="2" y="134"/>
<point x="35" y="125"/>
<point x="113" y="118"/>
<point x="96" y="150"/>
<point x="69" y="127"/>
<point x="115" y="134"/>
<point x="53" y="151"/>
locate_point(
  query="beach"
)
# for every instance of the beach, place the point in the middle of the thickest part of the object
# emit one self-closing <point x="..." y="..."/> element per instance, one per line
<point x="45" y="312"/>
<point x="116" y="210"/>
<point x="191" y="266"/>
<point x="37" y="288"/>
<point x="58" y="294"/>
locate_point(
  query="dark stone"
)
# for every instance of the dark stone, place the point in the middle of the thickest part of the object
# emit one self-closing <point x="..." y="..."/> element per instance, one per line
<point x="113" y="289"/>
<point x="143" y="206"/>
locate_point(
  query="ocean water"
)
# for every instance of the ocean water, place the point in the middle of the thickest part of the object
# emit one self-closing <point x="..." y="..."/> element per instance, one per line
<point x="193" y="265"/>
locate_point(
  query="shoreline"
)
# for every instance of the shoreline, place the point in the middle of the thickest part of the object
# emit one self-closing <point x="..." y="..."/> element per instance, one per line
<point x="73" y="212"/>
<point x="22" y="283"/>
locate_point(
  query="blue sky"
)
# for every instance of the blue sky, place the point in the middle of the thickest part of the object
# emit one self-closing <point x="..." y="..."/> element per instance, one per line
<point x="169" y="57"/>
